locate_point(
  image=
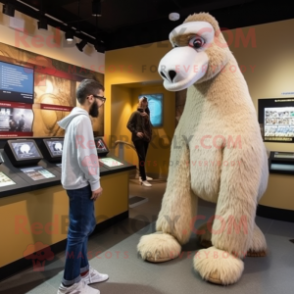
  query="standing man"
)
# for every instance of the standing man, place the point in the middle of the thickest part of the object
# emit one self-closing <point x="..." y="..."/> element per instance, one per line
<point x="81" y="180"/>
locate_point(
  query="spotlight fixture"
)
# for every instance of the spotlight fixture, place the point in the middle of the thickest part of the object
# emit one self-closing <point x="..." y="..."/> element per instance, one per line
<point x="42" y="23"/>
<point x="96" y="8"/>
<point x="81" y="45"/>
<point x="69" y="35"/>
<point x="99" y="46"/>
<point x="174" y="16"/>
<point x="8" y="9"/>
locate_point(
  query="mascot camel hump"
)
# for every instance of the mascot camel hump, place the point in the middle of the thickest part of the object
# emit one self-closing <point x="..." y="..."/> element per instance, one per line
<point x="217" y="154"/>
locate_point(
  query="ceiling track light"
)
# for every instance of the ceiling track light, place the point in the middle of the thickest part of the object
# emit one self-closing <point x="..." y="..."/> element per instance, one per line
<point x="69" y="35"/>
<point x="99" y="47"/>
<point x="42" y="23"/>
<point x="81" y="45"/>
<point x="8" y="9"/>
<point x="96" y="8"/>
<point x="174" y="16"/>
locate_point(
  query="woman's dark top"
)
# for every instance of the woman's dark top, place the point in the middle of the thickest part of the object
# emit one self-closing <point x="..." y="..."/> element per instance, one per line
<point x="138" y="123"/>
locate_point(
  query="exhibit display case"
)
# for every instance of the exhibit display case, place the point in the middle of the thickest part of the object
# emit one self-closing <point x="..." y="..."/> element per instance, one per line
<point x="276" y="119"/>
<point x="31" y="192"/>
<point x="277" y="202"/>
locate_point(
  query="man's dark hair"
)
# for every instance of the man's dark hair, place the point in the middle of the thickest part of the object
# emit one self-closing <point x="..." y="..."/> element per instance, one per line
<point x="87" y="87"/>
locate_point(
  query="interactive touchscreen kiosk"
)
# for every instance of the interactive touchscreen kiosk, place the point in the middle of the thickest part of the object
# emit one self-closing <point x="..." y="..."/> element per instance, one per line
<point x="101" y="147"/>
<point x="52" y="149"/>
<point x="23" y="152"/>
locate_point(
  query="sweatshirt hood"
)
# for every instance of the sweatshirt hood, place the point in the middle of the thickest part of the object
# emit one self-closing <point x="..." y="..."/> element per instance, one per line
<point x="64" y="123"/>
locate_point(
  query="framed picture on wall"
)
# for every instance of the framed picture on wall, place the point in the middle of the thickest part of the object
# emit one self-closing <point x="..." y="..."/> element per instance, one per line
<point x="155" y="104"/>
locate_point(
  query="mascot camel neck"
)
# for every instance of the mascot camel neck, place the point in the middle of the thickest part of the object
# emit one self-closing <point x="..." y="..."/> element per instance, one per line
<point x="220" y="157"/>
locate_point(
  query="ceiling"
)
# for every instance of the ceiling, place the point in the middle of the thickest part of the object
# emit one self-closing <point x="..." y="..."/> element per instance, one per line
<point x="126" y="23"/>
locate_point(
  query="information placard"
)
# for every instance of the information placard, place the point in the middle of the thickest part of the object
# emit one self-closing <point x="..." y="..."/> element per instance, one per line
<point x="37" y="173"/>
<point x="111" y="162"/>
<point x="5" y="181"/>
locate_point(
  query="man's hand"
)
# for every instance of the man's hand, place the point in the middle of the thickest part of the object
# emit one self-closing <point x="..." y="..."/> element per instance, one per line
<point x="140" y="135"/>
<point x="96" y="194"/>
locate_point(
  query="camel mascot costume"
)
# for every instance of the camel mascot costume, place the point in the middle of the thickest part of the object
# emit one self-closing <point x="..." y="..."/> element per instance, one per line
<point x="219" y="153"/>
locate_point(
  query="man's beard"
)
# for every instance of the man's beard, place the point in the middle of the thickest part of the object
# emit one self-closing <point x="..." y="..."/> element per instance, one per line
<point x="94" y="110"/>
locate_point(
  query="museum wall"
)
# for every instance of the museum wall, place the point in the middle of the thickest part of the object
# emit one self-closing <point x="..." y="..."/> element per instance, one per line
<point x="263" y="52"/>
<point x="130" y="72"/>
<point x="124" y="102"/>
<point x="58" y="68"/>
<point x="49" y="43"/>
<point x="267" y="60"/>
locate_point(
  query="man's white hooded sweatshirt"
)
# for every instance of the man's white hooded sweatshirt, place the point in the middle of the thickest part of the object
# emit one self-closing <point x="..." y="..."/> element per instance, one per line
<point x="80" y="165"/>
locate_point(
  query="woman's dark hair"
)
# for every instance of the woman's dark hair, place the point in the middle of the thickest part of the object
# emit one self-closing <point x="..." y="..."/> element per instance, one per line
<point x="87" y="87"/>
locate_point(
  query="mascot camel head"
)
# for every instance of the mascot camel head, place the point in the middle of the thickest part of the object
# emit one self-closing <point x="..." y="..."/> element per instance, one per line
<point x="199" y="53"/>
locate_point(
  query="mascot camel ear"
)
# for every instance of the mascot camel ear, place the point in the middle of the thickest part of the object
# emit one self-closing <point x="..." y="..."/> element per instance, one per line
<point x="187" y="62"/>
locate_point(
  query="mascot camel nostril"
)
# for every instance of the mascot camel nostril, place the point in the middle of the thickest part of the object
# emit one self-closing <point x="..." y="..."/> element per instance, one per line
<point x="163" y="75"/>
<point x="172" y="74"/>
<point x="224" y="160"/>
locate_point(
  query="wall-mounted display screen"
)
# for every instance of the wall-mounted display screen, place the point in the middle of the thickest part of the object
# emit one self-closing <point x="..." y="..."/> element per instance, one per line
<point x="16" y="83"/>
<point x="25" y="150"/>
<point x="5" y="181"/>
<point x="55" y="147"/>
<point x="276" y="118"/>
<point x="155" y="105"/>
<point x="111" y="162"/>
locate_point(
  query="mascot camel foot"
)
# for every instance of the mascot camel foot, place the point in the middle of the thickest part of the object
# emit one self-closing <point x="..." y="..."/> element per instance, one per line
<point x="218" y="266"/>
<point x="158" y="247"/>
<point x="258" y="246"/>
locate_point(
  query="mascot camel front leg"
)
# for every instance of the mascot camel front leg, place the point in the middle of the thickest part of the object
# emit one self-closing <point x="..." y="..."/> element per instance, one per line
<point x="174" y="222"/>
<point x="233" y="227"/>
<point x="258" y="245"/>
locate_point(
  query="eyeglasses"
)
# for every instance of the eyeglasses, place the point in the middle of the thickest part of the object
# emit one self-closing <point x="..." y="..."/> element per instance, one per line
<point x="103" y="99"/>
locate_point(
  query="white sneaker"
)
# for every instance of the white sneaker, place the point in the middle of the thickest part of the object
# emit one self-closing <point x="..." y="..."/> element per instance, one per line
<point x="146" y="183"/>
<point x="147" y="178"/>
<point x="77" y="288"/>
<point x="94" y="276"/>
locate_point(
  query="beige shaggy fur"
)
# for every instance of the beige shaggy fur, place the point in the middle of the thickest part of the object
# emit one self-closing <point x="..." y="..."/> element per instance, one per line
<point x="217" y="155"/>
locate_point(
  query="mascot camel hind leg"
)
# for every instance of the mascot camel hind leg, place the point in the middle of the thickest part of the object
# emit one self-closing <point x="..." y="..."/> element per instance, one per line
<point x="217" y="155"/>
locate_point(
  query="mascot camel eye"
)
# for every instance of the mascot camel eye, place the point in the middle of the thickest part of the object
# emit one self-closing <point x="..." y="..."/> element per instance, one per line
<point x="196" y="42"/>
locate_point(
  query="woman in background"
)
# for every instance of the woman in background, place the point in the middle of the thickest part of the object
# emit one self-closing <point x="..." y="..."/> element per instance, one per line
<point x="140" y="126"/>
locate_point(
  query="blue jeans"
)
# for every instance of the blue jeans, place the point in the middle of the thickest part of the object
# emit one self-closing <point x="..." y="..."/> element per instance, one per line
<point x="82" y="223"/>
